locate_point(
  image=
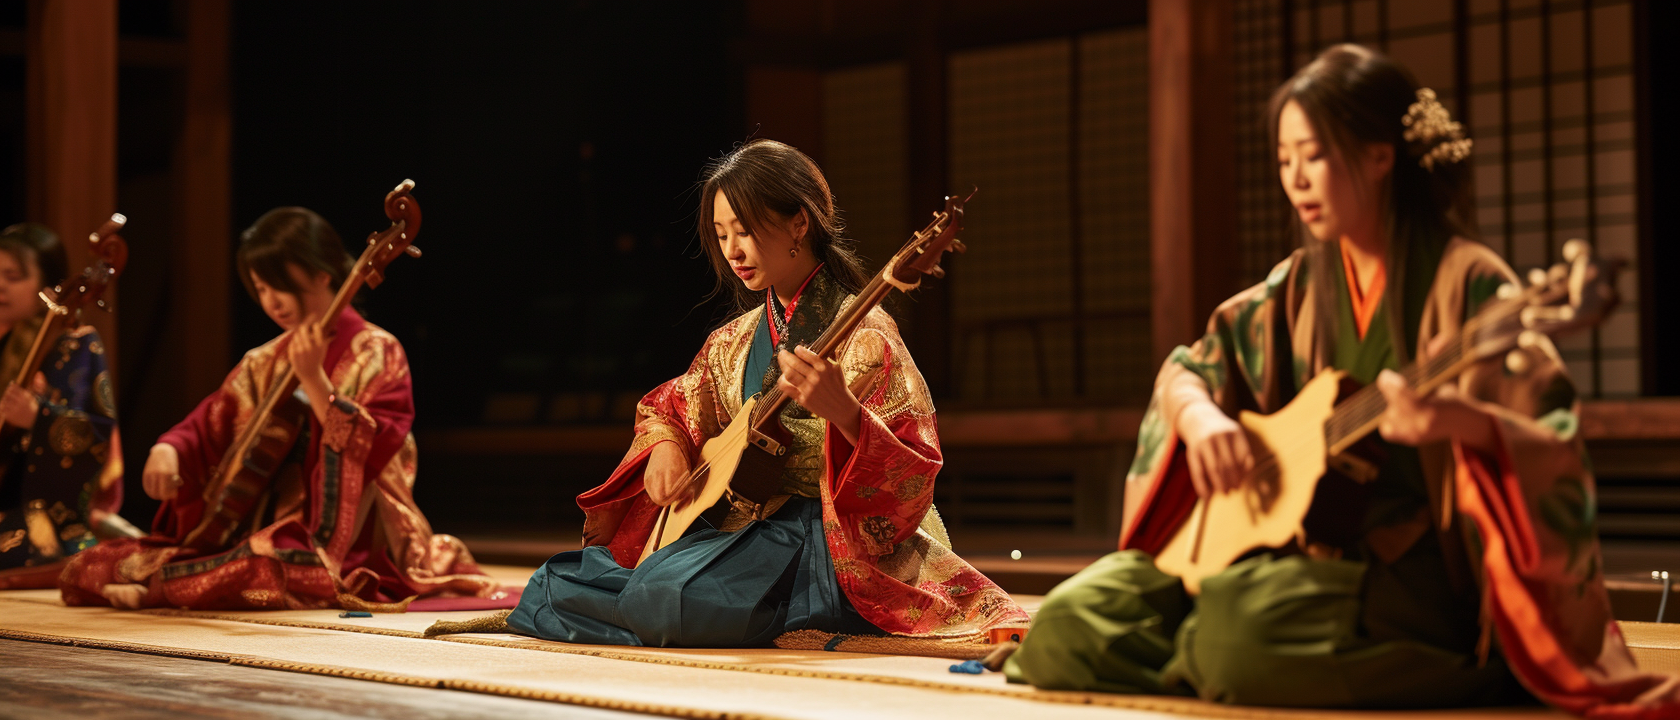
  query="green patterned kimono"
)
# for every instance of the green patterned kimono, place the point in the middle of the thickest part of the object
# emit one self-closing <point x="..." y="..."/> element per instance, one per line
<point x="1391" y="623"/>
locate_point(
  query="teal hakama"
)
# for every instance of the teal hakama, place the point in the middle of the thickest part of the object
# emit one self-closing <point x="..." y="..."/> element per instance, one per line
<point x="709" y="589"/>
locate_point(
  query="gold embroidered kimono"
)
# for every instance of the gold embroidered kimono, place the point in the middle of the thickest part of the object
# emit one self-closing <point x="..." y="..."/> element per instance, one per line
<point x="337" y="525"/>
<point x="888" y="549"/>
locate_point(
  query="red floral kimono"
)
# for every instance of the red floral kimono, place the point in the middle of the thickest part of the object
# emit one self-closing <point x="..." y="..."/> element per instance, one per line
<point x="889" y="549"/>
<point x="337" y="525"/>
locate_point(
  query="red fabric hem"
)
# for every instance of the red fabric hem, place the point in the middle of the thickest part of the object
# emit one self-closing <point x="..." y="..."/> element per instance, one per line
<point x="1167" y="503"/>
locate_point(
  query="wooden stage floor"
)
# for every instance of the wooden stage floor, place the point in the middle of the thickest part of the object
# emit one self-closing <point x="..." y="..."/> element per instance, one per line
<point x="98" y="662"/>
<point x="52" y="681"/>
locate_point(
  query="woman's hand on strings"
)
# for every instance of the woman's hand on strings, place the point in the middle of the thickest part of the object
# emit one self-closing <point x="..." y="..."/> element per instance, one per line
<point x="1417" y="419"/>
<point x="162" y="476"/>
<point x="19" y="406"/>
<point x="666" y="476"/>
<point x="308" y="353"/>
<point x="1216" y="448"/>
<point x="820" y="386"/>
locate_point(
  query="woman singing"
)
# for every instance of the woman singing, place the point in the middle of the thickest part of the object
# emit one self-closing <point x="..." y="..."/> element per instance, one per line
<point x="1479" y="522"/>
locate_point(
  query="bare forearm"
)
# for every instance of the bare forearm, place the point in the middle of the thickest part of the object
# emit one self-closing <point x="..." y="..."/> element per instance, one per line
<point x="319" y="391"/>
<point x="1181" y="389"/>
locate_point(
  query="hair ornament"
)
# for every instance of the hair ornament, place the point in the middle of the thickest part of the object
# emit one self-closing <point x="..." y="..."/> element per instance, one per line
<point x="1435" y="136"/>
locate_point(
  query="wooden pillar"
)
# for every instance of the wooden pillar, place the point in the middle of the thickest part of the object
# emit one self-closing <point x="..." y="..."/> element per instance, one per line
<point x="1192" y="173"/>
<point x="929" y="333"/>
<point x="202" y="255"/>
<point x="72" y="129"/>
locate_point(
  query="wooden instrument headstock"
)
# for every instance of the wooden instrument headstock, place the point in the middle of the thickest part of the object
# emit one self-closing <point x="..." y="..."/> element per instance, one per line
<point x="110" y="256"/>
<point x="920" y="256"/>
<point x="389" y="244"/>
<point x="1571" y="295"/>
<point x="383" y="247"/>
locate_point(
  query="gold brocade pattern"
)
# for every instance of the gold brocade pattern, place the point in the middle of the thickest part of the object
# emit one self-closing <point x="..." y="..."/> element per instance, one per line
<point x="360" y="487"/>
<point x="69" y="448"/>
<point x="71" y="434"/>
<point x="890" y="551"/>
<point x="103" y="397"/>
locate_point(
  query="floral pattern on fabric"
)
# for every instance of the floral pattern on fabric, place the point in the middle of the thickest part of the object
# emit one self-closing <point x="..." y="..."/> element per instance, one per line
<point x="338" y="526"/>
<point x="64" y="475"/>
<point x="877" y="496"/>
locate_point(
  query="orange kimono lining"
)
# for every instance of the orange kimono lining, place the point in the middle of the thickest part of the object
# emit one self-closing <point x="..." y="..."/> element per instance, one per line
<point x="1364" y="303"/>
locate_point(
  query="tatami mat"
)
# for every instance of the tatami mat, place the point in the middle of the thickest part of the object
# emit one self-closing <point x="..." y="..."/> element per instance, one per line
<point x="766" y="683"/>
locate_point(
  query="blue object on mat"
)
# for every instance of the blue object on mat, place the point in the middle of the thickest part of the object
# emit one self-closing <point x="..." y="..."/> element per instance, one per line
<point x="355" y="613"/>
<point x="971" y="667"/>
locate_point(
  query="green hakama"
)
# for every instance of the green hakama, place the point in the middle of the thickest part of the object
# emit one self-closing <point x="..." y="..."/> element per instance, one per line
<point x="1386" y="626"/>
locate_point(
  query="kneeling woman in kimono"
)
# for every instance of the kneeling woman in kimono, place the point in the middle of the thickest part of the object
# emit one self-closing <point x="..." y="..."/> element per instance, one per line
<point x="62" y="481"/>
<point x="1482" y="511"/>
<point x="851" y="544"/>
<point x="336" y="524"/>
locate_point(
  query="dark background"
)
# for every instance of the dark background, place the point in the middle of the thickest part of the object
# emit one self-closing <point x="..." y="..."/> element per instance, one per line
<point x="555" y="147"/>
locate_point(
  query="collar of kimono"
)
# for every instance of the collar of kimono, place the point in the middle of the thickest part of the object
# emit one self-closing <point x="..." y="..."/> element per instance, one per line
<point x="1364" y="301"/>
<point x="779" y="316"/>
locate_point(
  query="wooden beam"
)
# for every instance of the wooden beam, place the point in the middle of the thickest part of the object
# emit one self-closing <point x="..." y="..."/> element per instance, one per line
<point x="1192" y="158"/>
<point x="1647" y="419"/>
<point x="1039" y="428"/>
<point x="201" y="257"/>
<point x="72" y="129"/>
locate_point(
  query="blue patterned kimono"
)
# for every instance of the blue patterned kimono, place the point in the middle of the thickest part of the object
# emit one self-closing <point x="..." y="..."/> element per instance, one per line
<point x="67" y="467"/>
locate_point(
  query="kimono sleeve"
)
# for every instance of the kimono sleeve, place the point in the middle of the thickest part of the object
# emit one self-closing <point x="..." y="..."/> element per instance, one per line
<point x="78" y="413"/>
<point x="1240" y="361"/>
<point x="682" y="411"/>
<point x="886" y="480"/>
<point x="374" y="408"/>
<point x="200" y="440"/>
<point x="667" y="412"/>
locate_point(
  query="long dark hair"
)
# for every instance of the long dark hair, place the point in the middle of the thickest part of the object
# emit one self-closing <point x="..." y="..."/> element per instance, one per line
<point x="766" y="180"/>
<point x="29" y="242"/>
<point x="1355" y="96"/>
<point x="290" y="235"/>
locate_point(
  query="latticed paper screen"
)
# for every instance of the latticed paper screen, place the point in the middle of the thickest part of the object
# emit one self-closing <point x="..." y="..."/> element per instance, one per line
<point x="1551" y="93"/>
<point x="1052" y="299"/>
<point x="1051" y="303"/>
<point x="1262" y="210"/>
